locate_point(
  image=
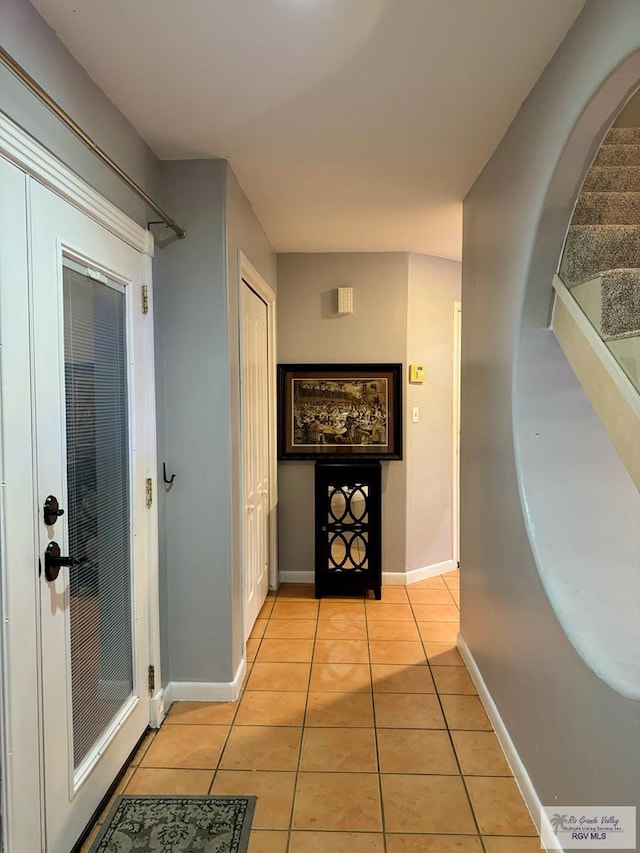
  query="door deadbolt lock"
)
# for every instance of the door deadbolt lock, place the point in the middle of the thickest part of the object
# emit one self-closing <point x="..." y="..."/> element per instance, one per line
<point x="51" y="510"/>
<point x="53" y="561"/>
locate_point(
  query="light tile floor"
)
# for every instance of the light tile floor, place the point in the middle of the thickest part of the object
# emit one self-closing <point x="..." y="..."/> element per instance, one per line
<point x="358" y="728"/>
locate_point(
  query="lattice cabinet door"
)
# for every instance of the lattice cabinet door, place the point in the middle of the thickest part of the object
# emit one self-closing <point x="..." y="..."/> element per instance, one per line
<point x="348" y="527"/>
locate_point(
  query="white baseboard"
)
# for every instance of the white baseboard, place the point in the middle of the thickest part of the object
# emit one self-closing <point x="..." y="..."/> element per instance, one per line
<point x="420" y="574"/>
<point x="158" y="709"/>
<point x="523" y="780"/>
<point x="205" y="691"/>
<point x="391" y="578"/>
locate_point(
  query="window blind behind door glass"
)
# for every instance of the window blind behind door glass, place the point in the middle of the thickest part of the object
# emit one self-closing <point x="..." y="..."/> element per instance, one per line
<point x="99" y="521"/>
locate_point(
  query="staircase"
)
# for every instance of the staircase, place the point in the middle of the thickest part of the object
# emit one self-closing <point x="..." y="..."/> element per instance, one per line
<point x="601" y="260"/>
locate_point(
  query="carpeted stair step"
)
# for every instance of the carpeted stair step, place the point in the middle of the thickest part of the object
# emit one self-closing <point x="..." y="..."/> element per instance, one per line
<point x="590" y="249"/>
<point x="612" y="179"/>
<point x="622" y="136"/>
<point x="620" y="303"/>
<point x="618" y="155"/>
<point x="607" y="209"/>
<point x="603" y="242"/>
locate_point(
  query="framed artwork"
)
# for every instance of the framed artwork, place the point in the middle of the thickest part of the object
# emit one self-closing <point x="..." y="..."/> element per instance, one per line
<point x="340" y="411"/>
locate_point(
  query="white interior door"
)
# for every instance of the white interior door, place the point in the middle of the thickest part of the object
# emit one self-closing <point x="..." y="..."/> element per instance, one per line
<point x="457" y="343"/>
<point x="255" y="444"/>
<point x="88" y="359"/>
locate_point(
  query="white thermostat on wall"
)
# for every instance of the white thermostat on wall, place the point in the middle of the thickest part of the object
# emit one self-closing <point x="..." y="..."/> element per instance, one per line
<point x="416" y="373"/>
<point x="345" y="300"/>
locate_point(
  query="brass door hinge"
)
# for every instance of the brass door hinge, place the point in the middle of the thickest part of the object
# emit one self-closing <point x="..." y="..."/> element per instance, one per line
<point x="149" y="491"/>
<point x="145" y="298"/>
<point x="152" y="678"/>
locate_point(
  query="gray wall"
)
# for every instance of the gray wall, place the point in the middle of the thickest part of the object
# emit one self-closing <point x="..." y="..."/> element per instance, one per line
<point x="246" y="234"/>
<point x="197" y="393"/>
<point x="514" y="224"/>
<point x="310" y="330"/>
<point x="434" y="286"/>
<point x="403" y="313"/>
<point x="200" y="352"/>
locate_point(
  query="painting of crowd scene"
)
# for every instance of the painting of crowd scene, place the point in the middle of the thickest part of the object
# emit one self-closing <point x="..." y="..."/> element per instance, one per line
<point x="340" y="412"/>
<point x="330" y="412"/>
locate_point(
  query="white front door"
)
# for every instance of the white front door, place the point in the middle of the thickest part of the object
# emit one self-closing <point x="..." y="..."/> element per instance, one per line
<point x="255" y="447"/>
<point x="90" y="422"/>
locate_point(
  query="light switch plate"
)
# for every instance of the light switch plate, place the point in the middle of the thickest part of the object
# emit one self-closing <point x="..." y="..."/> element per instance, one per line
<point x="415" y="415"/>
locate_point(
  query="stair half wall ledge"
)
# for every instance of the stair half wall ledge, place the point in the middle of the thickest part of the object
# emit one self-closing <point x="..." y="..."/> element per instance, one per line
<point x="580" y="504"/>
<point x="610" y="392"/>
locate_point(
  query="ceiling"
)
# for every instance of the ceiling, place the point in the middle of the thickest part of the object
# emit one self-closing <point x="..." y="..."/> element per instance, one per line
<point x="352" y="125"/>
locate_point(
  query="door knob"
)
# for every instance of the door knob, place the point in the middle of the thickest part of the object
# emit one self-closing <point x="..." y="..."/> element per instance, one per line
<point x="51" y="510"/>
<point x="53" y="561"/>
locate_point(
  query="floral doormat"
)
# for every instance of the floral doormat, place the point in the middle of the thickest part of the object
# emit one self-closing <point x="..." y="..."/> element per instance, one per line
<point x="177" y="825"/>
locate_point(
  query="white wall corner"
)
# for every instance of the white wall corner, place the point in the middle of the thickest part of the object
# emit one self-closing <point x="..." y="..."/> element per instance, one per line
<point x="394" y="578"/>
<point x="432" y="571"/>
<point x="419" y="574"/>
<point x="205" y="691"/>
<point x="522" y="778"/>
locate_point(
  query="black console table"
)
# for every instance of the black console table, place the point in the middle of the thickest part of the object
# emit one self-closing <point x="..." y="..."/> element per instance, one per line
<point x="348" y="527"/>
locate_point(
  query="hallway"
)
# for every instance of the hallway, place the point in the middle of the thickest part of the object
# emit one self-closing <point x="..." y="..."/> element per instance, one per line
<point x="359" y="729"/>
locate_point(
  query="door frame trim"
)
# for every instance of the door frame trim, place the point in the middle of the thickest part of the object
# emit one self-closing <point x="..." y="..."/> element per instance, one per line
<point x="249" y="274"/>
<point x="156" y="703"/>
<point x="21" y="149"/>
<point x="20" y="715"/>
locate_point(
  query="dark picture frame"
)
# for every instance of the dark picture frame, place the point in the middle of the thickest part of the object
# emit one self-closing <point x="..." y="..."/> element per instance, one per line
<point x="340" y="412"/>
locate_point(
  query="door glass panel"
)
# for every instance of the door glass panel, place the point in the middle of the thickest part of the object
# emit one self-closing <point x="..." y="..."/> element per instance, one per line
<point x="337" y="505"/>
<point x="99" y="523"/>
<point x="346" y="528"/>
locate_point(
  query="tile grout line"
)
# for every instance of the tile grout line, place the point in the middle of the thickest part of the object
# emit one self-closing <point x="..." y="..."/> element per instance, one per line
<point x="243" y="687"/>
<point x="430" y="666"/>
<point x="134" y="767"/>
<point x="375" y="736"/>
<point x="449" y="731"/>
<point x="231" y="724"/>
<point x="437" y="694"/>
<point x="453" y="748"/>
<point x="302" y="731"/>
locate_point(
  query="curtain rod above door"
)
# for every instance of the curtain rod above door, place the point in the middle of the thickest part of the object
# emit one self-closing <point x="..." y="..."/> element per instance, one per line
<point x="25" y="78"/>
